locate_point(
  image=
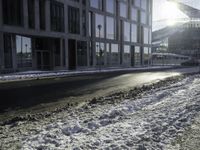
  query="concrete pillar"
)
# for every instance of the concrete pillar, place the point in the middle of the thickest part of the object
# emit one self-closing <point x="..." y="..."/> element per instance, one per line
<point x="66" y="54"/>
<point x="47" y="15"/>
<point x="37" y="15"/>
<point x="14" y="52"/>
<point x="1" y="51"/>
<point x="25" y="13"/>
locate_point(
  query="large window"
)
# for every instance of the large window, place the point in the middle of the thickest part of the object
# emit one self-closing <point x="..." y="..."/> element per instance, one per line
<point x="127" y="55"/>
<point x="73" y="20"/>
<point x="123" y="8"/>
<point x="133" y="33"/>
<point x="81" y="53"/>
<point x="84" y="30"/>
<point x="13" y="12"/>
<point x="127" y="30"/>
<point x="110" y="28"/>
<point x="97" y="4"/>
<point x="24" y="51"/>
<point x="144" y="4"/>
<point x="134" y="14"/>
<point x="31" y="13"/>
<point x="57" y="16"/>
<point x="114" y="54"/>
<point x="99" y="28"/>
<point x="110" y="6"/>
<point x="137" y="56"/>
<point x="7" y="51"/>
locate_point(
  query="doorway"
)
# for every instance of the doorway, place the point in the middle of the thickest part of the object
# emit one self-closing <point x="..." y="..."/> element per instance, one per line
<point x="72" y="54"/>
<point x="43" y="59"/>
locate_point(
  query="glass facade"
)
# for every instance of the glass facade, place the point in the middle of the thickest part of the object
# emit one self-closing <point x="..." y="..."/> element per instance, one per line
<point x="123" y="28"/>
<point x="110" y="28"/>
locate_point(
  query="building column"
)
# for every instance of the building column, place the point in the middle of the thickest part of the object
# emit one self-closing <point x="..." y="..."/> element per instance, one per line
<point x="37" y="15"/>
<point x="47" y="15"/>
<point x="66" y="54"/>
<point x="1" y="51"/>
<point x="25" y="12"/>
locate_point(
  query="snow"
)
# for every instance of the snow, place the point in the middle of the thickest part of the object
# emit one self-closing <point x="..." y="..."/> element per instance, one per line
<point x="150" y="122"/>
<point x="44" y="74"/>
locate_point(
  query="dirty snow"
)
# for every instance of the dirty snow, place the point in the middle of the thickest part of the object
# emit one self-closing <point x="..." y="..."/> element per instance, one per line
<point x="150" y="122"/>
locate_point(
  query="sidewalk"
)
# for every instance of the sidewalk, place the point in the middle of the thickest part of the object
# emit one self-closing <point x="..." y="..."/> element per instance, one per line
<point x="31" y="75"/>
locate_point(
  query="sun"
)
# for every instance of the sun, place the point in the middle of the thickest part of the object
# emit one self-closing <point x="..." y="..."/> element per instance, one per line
<point x="170" y="12"/>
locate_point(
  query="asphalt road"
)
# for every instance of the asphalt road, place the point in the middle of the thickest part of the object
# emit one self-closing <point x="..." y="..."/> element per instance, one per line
<point x="28" y="94"/>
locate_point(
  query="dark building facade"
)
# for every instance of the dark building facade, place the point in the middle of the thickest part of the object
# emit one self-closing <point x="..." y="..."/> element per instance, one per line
<point x="74" y="34"/>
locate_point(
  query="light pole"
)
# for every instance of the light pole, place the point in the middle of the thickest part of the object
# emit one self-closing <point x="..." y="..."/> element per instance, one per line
<point x="100" y="50"/>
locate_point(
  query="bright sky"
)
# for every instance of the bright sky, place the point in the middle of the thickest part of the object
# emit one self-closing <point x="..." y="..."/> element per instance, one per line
<point x="165" y="13"/>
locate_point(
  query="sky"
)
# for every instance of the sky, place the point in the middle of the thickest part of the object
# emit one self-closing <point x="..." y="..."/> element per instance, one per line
<point x="164" y="12"/>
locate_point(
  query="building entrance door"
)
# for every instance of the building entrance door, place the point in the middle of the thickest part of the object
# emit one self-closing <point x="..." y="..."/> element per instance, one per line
<point x="72" y="54"/>
<point x="43" y="59"/>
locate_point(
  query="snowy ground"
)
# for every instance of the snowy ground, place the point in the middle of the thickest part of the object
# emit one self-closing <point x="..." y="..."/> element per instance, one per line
<point x="27" y="75"/>
<point x="151" y="121"/>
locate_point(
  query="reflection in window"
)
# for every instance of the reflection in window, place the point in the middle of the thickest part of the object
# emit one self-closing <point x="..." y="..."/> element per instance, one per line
<point x="100" y="48"/>
<point x="133" y="33"/>
<point x="110" y="28"/>
<point x="137" y="56"/>
<point x="99" y="21"/>
<point x="146" y="36"/>
<point x="134" y="14"/>
<point x="82" y="53"/>
<point x="127" y="29"/>
<point x="114" y="54"/>
<point x="24" y="51"/>
<point x="127" y="55"/>
<point x="108" y="55"/>
<point x="137" y="3"/>
<point x="123" y="8"/>
<point x="110" y="6"/>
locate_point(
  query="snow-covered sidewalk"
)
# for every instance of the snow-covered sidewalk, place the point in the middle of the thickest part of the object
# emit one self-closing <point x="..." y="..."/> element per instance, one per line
<point x="150" y="122"/>
<point x="28" y="75"/>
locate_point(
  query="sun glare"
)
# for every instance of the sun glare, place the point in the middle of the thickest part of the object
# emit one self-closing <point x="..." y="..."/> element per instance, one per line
<point x="170" y="12"/>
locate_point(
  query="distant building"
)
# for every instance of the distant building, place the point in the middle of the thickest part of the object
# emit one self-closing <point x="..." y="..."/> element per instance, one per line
<point x="187" y="41"/>
<point x="74" y="34"/>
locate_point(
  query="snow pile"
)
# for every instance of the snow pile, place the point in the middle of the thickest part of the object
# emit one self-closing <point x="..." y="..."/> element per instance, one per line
<point x="150" y="122"/>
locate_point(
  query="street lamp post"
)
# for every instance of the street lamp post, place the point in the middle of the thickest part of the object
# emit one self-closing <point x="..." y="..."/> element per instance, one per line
<point x="100" y="50"/>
